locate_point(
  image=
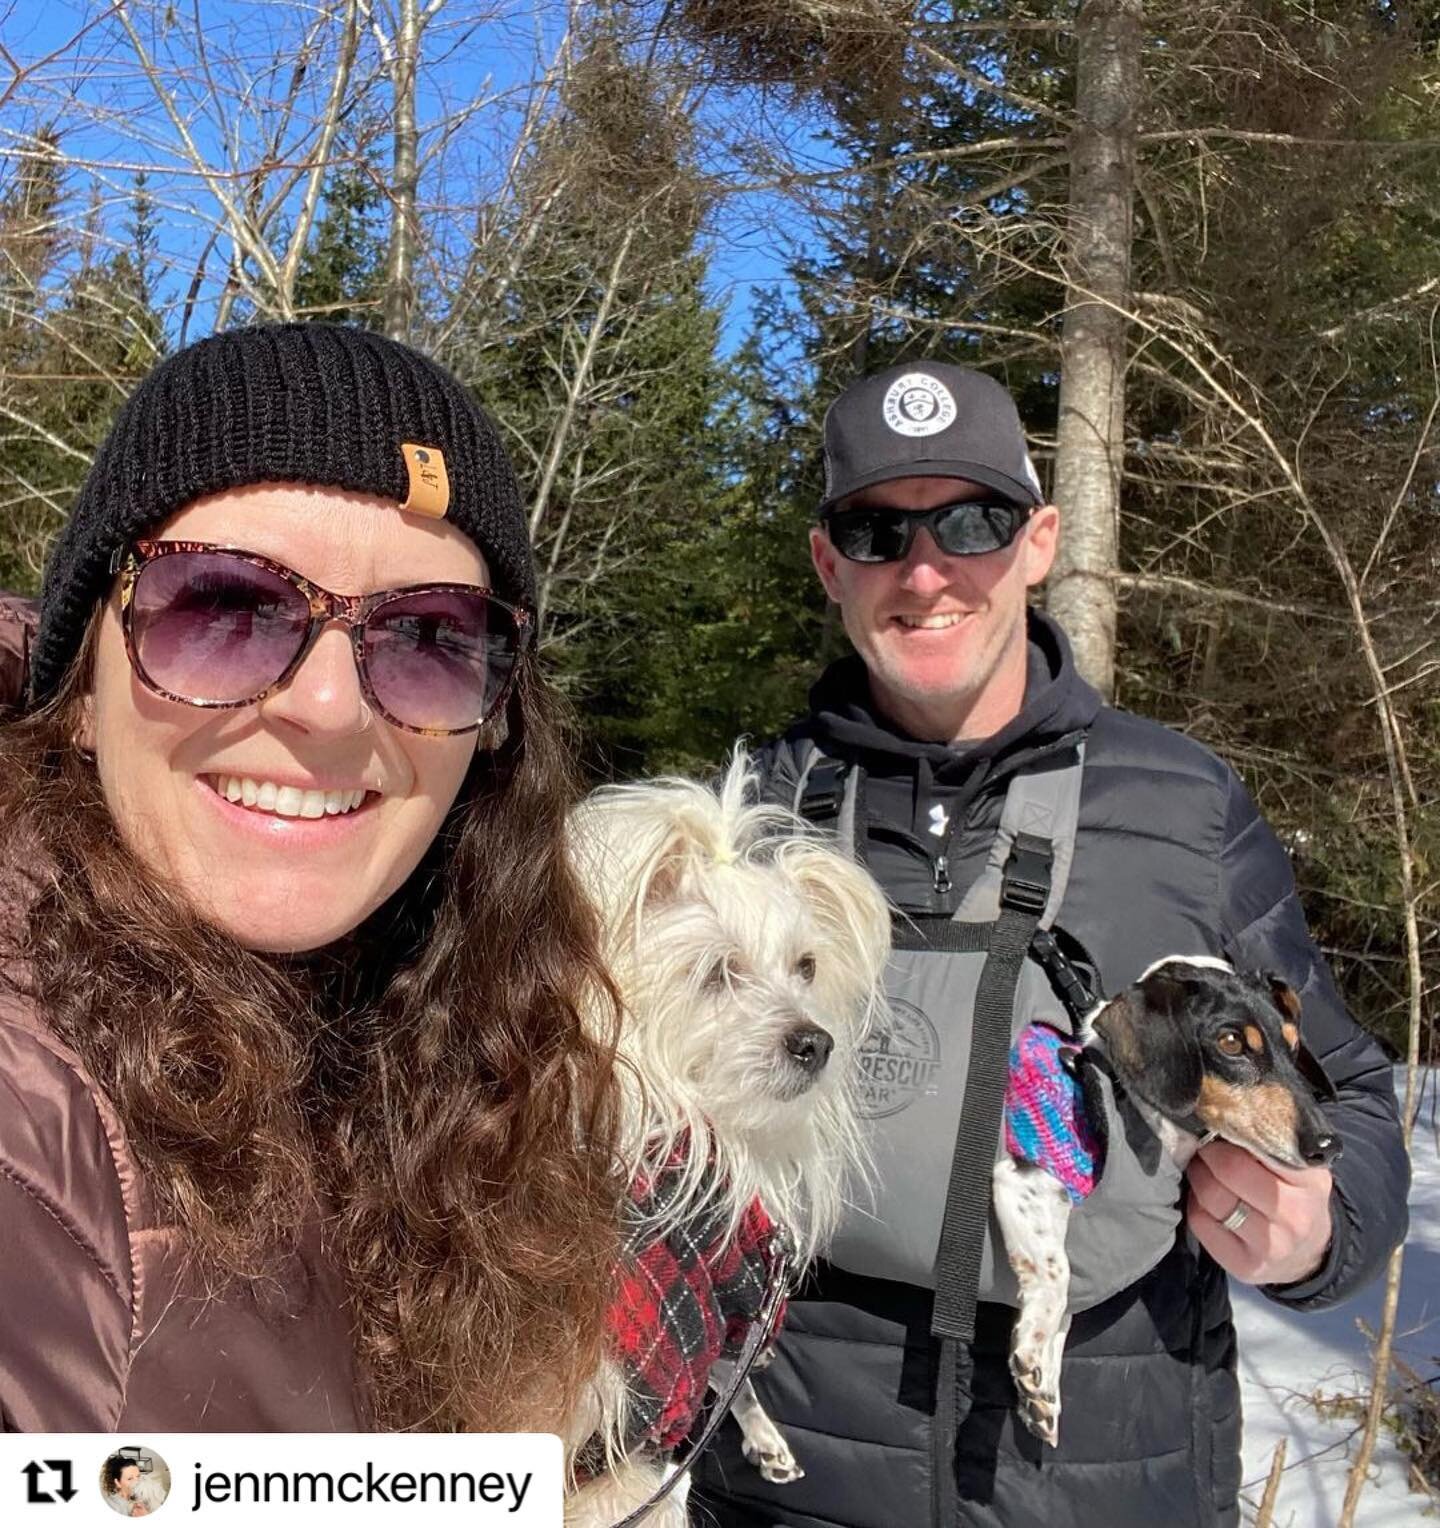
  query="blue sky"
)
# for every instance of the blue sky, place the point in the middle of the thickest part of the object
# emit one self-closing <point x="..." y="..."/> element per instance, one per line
<point x="111" y="119"/>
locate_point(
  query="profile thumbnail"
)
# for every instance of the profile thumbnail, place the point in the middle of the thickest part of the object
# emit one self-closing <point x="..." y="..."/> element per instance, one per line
<point x="134" y="1481"/>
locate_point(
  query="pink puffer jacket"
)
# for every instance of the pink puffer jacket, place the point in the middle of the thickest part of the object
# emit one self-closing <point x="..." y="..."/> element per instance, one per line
<point x="18" y="618"/>
<point x="101" y="1329"/>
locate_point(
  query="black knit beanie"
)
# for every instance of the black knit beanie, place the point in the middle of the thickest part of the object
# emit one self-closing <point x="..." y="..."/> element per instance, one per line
<point x="293" y="403"/>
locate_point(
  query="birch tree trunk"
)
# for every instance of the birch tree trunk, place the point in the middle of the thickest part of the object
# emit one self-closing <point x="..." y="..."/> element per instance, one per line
<point x="1090" y="443"/>
<point x="405" y="175"/>
<point x="575" y="391"/>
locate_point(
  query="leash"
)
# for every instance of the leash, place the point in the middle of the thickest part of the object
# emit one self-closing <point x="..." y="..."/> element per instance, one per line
<point x="762" y="1329"/>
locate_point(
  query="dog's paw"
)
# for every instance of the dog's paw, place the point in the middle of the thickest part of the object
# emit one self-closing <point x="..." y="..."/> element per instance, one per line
<point x="775" y="1463"/>
<point x="782" y="1472"/>
<point x="1041" y="1417"/>
<point x="1037" y="1397"/>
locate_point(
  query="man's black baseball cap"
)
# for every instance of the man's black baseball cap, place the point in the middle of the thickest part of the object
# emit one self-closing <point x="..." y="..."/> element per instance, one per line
<point x="927" y="419"/>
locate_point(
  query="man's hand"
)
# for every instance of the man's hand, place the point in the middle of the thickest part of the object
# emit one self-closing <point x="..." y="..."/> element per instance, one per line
<point x="139" y="1510"/>
<point x="1286" y="1230"/>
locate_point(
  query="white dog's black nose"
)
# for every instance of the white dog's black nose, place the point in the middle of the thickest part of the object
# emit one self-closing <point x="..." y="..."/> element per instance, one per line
<point x="809" y="1046"/>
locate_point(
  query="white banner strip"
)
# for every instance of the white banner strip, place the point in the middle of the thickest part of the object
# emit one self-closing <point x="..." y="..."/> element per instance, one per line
<point x="328" y="1480"/>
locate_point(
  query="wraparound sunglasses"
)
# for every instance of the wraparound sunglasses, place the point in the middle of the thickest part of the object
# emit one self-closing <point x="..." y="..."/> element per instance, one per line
<point x="966" y="528"/>
<point x="222" y="627"/>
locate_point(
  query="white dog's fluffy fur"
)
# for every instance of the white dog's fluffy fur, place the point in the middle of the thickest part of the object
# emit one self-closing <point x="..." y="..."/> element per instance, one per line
<point x="730" y="928"/>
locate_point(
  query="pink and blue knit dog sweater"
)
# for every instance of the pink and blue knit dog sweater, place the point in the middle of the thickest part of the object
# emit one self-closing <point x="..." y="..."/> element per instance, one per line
<point x="1045" y="1119"/>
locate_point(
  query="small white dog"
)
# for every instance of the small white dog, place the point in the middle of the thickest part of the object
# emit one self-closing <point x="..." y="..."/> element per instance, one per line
<point x="748" y="954"/>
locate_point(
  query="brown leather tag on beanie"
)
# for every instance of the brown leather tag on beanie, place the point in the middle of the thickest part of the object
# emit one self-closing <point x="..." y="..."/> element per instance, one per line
<point x="429" y="482"/>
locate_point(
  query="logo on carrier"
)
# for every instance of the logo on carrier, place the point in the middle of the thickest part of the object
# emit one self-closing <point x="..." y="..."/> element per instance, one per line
<point x="900" y="1064"/>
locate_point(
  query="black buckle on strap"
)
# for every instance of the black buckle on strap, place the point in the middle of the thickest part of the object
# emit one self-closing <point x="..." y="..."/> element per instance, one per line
<point x="1025" y="886"/>
<point x="824" y="791"/>
<point x="1066" y="977"/>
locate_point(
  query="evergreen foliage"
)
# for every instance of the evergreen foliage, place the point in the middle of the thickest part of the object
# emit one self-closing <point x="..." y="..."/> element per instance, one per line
<point x="78" y="326"/>
<point x="342" y="271"/>
<point x="598" y="356"/>
<point x="1284" y="272"/>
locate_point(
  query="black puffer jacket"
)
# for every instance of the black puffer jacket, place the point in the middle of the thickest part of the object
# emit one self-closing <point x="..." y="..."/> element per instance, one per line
<point x="1171" y="856"/>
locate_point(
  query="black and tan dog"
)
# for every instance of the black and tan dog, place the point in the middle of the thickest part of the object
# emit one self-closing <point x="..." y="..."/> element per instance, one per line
<point x="1203" y="1052"/>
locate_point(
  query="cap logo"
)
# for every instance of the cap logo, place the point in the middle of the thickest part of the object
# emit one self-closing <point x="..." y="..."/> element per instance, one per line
<point x="917" y="404"/>
<point x="429" y="481"/>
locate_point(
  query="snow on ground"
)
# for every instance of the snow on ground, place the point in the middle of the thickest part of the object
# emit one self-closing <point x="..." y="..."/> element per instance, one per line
<point x="1286" y="1357"/>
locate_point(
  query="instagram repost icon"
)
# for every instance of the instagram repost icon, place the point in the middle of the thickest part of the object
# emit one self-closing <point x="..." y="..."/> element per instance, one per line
<point x="134" y="1481"/>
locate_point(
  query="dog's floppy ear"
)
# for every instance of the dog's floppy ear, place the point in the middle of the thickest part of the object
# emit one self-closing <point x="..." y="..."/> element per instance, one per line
<point x="1081" y="1064"/>
<point x="631" y="851"/>
<point x="1287" y="1000"/>
<point x="1151" y="1045"/>
<point x="666" y="870"/>
<point x="844" y="899"/>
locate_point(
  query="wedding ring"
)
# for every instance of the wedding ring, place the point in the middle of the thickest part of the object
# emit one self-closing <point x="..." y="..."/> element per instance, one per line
<point x="1237" y="1217"/>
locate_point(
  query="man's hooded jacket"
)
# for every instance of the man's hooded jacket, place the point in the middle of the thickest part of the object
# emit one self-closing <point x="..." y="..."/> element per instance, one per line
<point x="1171" y="857"/>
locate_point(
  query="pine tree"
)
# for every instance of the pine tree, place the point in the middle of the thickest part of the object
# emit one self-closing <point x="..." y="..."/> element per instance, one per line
<point x="1297" y="275"/>
<point x="342" y="271"/>
<point x="596" y="352"/>
<point x="79" y="328"/>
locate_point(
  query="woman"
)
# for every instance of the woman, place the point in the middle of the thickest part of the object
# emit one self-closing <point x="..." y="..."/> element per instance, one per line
<point x="299" y="1129"/>
<point x="121" y="1476"/>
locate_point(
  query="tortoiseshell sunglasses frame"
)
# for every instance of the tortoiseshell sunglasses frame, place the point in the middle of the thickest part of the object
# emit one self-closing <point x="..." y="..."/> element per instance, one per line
<point x="351" y="610"/>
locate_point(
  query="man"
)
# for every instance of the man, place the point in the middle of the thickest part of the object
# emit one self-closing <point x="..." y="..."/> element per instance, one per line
<point x="965" y="761"/>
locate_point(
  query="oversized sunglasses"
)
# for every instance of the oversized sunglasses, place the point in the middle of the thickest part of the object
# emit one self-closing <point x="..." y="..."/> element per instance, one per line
<point x="217" y="626"/>
<point x="964" y="529"/>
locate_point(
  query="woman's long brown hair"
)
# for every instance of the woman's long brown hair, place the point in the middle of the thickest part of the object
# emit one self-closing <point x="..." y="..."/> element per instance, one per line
<point x="427" y="1088"/>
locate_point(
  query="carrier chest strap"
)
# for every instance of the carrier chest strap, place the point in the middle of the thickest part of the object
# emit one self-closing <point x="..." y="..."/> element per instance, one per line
<point x="1006" y="912"/>
<point x="1023" y="896"/>
<point x="1024" y="893"/>
<point x="828" y="792"/>
<point x="1019" y="893"/>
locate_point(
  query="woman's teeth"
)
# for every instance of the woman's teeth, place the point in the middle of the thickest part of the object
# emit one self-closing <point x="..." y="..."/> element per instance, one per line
<point x="286" y="800"/>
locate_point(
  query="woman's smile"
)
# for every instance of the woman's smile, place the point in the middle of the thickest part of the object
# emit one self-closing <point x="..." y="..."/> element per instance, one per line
<point x="264" y="795"/>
